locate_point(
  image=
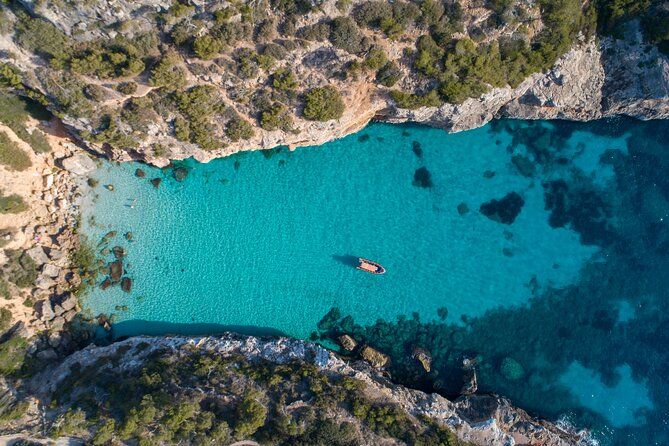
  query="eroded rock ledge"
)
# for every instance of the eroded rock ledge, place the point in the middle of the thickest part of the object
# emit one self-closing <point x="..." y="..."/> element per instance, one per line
<point x="479" y="419"/>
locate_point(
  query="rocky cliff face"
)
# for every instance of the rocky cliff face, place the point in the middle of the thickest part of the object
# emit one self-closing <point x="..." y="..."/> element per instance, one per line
<point x="479" y="419"/>
<point x="597" y="78"/>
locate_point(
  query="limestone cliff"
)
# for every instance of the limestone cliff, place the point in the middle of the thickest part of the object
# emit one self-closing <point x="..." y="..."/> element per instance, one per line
<point x="480" y="420"/>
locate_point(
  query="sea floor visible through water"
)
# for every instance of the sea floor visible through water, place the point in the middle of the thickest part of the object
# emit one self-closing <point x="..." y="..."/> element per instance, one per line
<point x="538" y="247"/>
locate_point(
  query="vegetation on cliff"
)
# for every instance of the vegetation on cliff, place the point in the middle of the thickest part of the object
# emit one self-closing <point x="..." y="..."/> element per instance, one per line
<point x="191" y="396"/>
<point x="272" y="63"/>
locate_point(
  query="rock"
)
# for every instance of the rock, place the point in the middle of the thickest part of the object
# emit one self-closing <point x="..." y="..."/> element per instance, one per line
<point x="347" y="342"/>
<point x="504" y="210"/>
<point x="463" y="209"/>
<point x="180" y="173"/>
<point x="38" y="255"/>
<point x="55" y="339"/>
<point x="128" y="235"/>
<point x="105" y="283"/>
<point x="110" y="187"/>
<point x="374" y="357"/>
<point x="79" y="164"/>
<point x="511" y="369"/>
<point x="524" y="165"/>
<point x="119" y="252"/>
<point x="422" y="178"/>
<point x="44" y="283"/>
<point x="48" y="181"/>
<point x="422" y="356"/>
<point x="488" y="174"/>
<point x="58" y="323"/>
<point x="55" y="254"/>
<point x="470" y="383"/>
<point x="69" y="315"/>
<point x="104" y="322"/>
<point x="116" y="270"/>
<point x="417" y="149"/>
<point x="58" y="310"/>
<point x="47" y="355"/>
<point x="156" y="182"/>
<point x="126" y="284"/>
<point x="139" y="173"/>
<point x="45" y="310"/>
<point x="50" y="270"/>
<point x="69" y="302"/>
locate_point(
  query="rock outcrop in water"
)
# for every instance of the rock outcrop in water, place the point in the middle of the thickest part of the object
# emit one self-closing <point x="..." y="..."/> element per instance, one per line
<point x="480" y="420"/>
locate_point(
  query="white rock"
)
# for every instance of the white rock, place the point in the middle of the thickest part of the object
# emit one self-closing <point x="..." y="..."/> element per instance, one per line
<point x="44" y="282"/>
<point x="69" y="302"/>
<point x="79" y="164"/>
<point x="38" y="255"/>
<point x="50" y="270"/>
<point x="44" y="310"/>
<point x="48" y="181"/>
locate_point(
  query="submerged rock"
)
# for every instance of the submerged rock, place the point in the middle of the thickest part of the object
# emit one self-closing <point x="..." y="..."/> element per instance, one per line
<point x="463" y="209"/>
<point x="126" y="284"/>
<point x="505" y="210"/>
<point x="524" y="165"/>
<point x="374" y="357"/>
<point x="347" y="342"/>
<point x="110" y="187"/>
<point x="422" y="178"/>
<point x="128" y="235"/>
<point x="417" y="149"/>
<point x="139" y="173"/>
<point x="108" y="236"/>
<point x="105" y="284"/>
<point x="180" y="173"/>
<point x="115" y="270"/>
<point x="470" y="382"/>
<point x="119" y="252"/>
<point x="511" y="369"/>
<point x="424" y="357"/>
<point x="156" y="182"/>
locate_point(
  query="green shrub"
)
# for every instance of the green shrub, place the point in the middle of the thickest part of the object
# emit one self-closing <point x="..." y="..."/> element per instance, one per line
<point x="284" y="80"/>
<point x="323" y="104"/>
<point x="389" y="74"/>
<point x="168" y="73"/>
<point x="391" y="18"/>
<point x="346" y="35"/>
<point x="413" y="101"/>
<point x="318" y="32"/>
<point x="238" y="128"/>
<point x="5" y="319"/>
<point x="105" y="432"/>
<point x="12" y="355"/>
<point x="4" y="289"/>
<point x="251" y="416"/>
<point x="276" y="117"/>
<point x="41" y="37"/>
<point x="265" y="31"/>
<point x="20" y="269"/>
<point x="11" y="155"/>
<point x="10" y="76"/>
<point x="375" y="58"/>
<point x="207" y="47"/>
<point x="12" y="204"/>
<point x="14" y="112"/>
<point x="127" y="88"/>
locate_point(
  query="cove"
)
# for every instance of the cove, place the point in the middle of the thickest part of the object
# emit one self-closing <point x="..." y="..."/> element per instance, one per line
<point x="545" y="242"/>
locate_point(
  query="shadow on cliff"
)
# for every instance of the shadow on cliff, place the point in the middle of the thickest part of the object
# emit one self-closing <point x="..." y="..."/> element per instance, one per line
<point x="121" y="330"/>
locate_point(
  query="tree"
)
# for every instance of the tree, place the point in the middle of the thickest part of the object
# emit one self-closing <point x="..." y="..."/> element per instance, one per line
<point x="168" y="73"/>
<point x="284" y="80"/>
<point x="206" y="46"/>
<point x="251" y="416"/>
<point x="323" y="104"/>
<point x="238" y="128"/>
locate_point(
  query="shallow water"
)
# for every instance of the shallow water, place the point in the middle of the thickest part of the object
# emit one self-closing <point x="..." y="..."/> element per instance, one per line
<point x="265" y="243"/>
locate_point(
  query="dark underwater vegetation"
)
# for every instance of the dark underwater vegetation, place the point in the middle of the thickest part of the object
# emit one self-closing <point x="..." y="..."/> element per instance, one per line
<point x="609" y="332"/>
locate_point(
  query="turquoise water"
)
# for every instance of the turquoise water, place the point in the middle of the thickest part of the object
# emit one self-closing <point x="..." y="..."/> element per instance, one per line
<point x="263" y="242"/>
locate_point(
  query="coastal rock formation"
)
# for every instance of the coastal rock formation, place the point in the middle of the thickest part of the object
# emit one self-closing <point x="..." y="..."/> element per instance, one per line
<point x="79" y="164"/>
<point x="481" y="420"/>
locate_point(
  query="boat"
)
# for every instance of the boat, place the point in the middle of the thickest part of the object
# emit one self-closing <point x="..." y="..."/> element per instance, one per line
<point x="370" y="267"/>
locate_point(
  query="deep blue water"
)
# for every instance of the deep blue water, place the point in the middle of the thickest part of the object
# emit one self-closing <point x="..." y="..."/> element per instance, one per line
<point x="544" y="242"/>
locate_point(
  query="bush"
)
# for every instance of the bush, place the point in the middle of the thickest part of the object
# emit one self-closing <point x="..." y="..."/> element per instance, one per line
<point x="95" y="92"/>
<point x="41" y="37"/>
<point x="389" y="74"/>
<point x="207" y="47"/>
<point x="346" y="35"/>
<point x="284" y="80"/>
<point x="5" y="319"/>
<point x="127" y="88"/>
<point x="14" y="112"/>
<point x="12" y="204"/>
<point x="168" y="73"/>
<point x="251" y="416"/>
<point x="105" y="432"/>
<point x="12" y="355"/>
<point x="391" y="18"/>
<point x="375" y="58"/>
<point x="276" y="117"/>
<point x="317" y="32"/>
<point x="265" y="31"/>
<point x="11" y="155"/>
<point x="4" y="290"/>
<point x="413" y="101"/>
<point x="323" y="104"/>
<point x="238" y="128"/>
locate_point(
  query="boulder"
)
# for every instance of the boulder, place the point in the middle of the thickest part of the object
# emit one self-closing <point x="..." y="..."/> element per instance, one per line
<point x="119" y="252"/>
<point x="105" y="283"/>
<point x="50" y="270"/>
<point x="511" y="369"/>
<point x="55" y="339"/>
<point x="58" y="310"/>
<point x="47" y="355"/>
<point x="156" y="182"/>
<point x="69" y="315"/>
<point x="69" y="302"/>
<point x="126" y="284"/>
<point x="347" y="342"/>
<point x="470" y="383"/>
<point x="58" y="323"/>
<point x="44" y="283"/>
<point x="38" y="255"/>
<point x="374" y="357"/>
<point x="48" y="181"/>
<point x="55" y="254"/>
<point x="79" y="164"/>
<point x="116" y="270"/>
<point x="423" y="356"/>
<point x="139" y="173"/>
